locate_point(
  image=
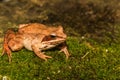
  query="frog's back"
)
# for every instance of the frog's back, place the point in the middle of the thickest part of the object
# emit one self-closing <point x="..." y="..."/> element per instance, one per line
<point x="32" y="28"/>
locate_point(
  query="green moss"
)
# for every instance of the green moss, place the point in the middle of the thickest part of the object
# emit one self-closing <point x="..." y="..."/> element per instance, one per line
<point x="102" y="62"/>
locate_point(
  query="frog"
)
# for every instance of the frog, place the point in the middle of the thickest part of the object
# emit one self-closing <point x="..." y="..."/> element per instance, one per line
<point x="37" y="41"/>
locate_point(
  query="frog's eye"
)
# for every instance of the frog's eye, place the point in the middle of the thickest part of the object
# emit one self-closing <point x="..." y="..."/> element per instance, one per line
<point x="53" y="35"/>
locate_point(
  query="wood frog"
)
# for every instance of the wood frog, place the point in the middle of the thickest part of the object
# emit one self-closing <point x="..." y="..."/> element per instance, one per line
<point x="35" y="37"/>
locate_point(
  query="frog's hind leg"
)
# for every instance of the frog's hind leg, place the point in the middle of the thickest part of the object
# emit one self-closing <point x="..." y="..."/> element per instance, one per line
<point x="7" y="50"/>
<point x="8" y="35"/>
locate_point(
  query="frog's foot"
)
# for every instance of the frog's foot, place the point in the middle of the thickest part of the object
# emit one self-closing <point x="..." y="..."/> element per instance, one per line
<point x="40" y="54"/>
<point x="6" y="50"/>
<point x="9" y="54"/>
<point x="43" y="56"/>
<point x="64" y="49"/>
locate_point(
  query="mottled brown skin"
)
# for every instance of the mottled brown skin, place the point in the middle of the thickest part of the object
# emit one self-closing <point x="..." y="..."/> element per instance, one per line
<point x="35" y="38"/>
<point x="40" y="28"/>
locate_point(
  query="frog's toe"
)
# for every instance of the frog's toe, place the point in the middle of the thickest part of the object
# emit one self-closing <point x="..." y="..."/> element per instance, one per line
<point x="44" y="57"/>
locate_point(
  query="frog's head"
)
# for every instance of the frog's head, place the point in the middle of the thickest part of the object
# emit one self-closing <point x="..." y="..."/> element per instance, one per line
<point x="56" y="37"/>
<point x="59" y="32"/>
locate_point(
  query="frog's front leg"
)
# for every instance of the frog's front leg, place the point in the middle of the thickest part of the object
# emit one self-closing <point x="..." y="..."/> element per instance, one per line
<point x="38" y="52"/>
<point x="64" y="49"/>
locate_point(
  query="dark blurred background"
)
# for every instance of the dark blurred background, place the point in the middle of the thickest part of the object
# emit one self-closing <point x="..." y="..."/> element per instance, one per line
<point x="94" y="19"/>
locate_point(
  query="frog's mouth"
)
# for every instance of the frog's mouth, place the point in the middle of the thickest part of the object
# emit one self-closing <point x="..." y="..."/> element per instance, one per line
<point x="49" y="42"/>
<point x="53" y="42"/>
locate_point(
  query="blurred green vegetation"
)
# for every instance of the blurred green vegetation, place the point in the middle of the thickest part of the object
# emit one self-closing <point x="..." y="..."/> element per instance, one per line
<point x="92" y="26"/>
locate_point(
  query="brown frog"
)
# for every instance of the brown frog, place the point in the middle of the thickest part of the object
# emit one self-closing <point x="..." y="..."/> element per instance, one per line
<point x="36" y="38"/>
